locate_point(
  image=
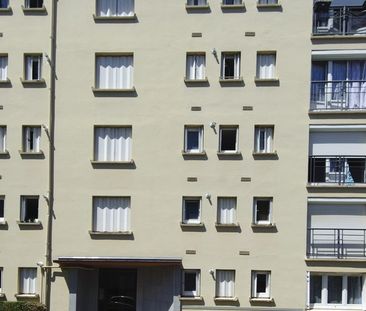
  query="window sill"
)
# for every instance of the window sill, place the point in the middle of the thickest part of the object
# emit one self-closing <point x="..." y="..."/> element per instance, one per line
<point x="226" y="299"/>
<point x="34" y="10"/>
<point x="193" y="154"/>
<point x="237" y="80"/>
<point x="5" y="155"/>
<point x="330" y="111"/>
<point x="334" y="260"/>
<point x="338" y="37"/>
<point x="193" y="225"/>
<point x="229" y="153"/>
<point x="269" y="82"/>
<point x="31" y="155"/>
<point x="269" y="226"/>
<point x="94" y="162"/>
<point x="29" y="224"/>
<point x="195" y="81"/>
<point x="115" y="18"/>
<point x="269" y="6"/>
<point x="7" y="81"/>
<point x="2" y="295"/>
<point x="120" y="233"/>
<point x="3" y="223"/>
<point x="40" y="82"/>
<point x="235" y="225"/>
<point x="262" y="300"/>
<point x="335" y="185"/>
<point x="198" y="7"/>
<point x="233" y="6"/>
<point x="7" y="10"/>
<point x="108" y="91"/>
<point x="264" y="154"/>
<point x="192" y="300"/>
<point x="33" y="296"/>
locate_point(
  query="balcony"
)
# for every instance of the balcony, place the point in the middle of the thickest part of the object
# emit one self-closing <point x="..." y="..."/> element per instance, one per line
<point x="347" y="95"/>
<point x="336" y="243"/>
<point x="337" y="170"/>
<point x="332" y="19"/>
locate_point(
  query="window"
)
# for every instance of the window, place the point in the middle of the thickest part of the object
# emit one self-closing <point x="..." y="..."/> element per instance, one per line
<point x="191" y="283"/>
<point x="225" y="283"/>
<point x="263" y="139"/>
<point x="266" y="65"/>
<point x="33" y="4"/>
<point x="262" y="211"/>
<point x="115" y="7"/>
<point x="335" y="290"/>
<point x="261" y="284"/>
<point x="230" y="65"/>
<point x="29" y="209"/>
<point x="231" y="2"/>
<point x="33" y="67"/>
<point x="267" y="1"/>
<point x="113" y="144"/>
<point x="3" y="67"/>
<point x="31" y="138"/>
<point x="228" y="139"/>
<point x="2" y="215"/>
<point x="226" y="211"/>
<point x="27" y="281"/>
<point x="197" y="2"/>
<point x="111" y="214"/>
<point x="196" y="64"/>
<point x="114" y="72"/>
<point x="191" y="210"/>
<point x="2" y="139"/>
<point x="193" y="139"/>
<point x="4" y="4"/>
<point x="1" y="280"/>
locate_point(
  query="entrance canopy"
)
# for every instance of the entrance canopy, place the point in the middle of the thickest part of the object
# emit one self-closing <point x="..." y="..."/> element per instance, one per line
<point x="348" y="3"/>
<point x="117" y="262"/>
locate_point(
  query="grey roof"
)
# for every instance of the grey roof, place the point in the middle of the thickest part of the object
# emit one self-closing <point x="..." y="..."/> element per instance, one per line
<point x="348" y="3"/>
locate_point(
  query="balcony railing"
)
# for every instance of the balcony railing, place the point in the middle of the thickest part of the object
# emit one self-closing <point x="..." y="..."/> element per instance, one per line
<point x="337" y="169"/>
<point x="344" y="21"/>
<point x="336" y="243"/>
<point x="338" y="95"/>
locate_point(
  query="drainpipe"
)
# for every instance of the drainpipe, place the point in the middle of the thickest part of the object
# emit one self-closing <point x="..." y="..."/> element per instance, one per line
<point x="51" y="170"/>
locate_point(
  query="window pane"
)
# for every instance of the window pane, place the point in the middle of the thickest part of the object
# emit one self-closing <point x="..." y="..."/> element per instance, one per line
<point x="354" y="289"/>
<point x="190" y="282"/>
<point x="191" y="210"/>
<point x="30" y="209"/>
<point x="228" y="139"/>
<point x="1" y="208"/>
<point x="3" y="5"/>
<point x="335" y="289"/>
<point x="263" y="210"/>
<point x="315" y="289"/>
<point x="261" y="283"/>
<point x="192" y="139"/>
<point x="229" y="67"/>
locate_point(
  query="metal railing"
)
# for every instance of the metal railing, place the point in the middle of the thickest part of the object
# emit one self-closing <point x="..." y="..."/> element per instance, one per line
<point x="335" y="242"/>
<point x="337" y="169"/>
<point x="344" y="21"/>
<point x="338" y="95"/>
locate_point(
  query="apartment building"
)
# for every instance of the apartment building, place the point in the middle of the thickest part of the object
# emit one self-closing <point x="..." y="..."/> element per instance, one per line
<point x="183" y="155"/>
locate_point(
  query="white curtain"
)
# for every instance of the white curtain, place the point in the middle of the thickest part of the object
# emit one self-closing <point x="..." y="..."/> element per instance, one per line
<point x="113" y="143"/>
<point x="266" y="66"/>
<point x="197" y="2"/>
<point x="2" y="138"/>
<point x="116" y="8"/>
<point x="225" y="283"/>
<point x="268" y="1"/>
<point x="115" y="72"/>
<point x="226" y="210"/>
<point x="264" y="139"/>
<point x="356" y="89"/>
<point x="28" y="277"/>
<point x="33" y="67"/>
<point x="111" y="214"/>
<point x="32" y="136"/>
<point x="3" y="68"/>
<point x="195" y="67"/>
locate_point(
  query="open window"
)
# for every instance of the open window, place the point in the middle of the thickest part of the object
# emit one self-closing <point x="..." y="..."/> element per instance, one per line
<point x="33" y="67"/>
<point x="2" y="207"/>
<point x="261" y="284"/>
<point x="262" y="211"/>
<point x="230" y="66"/>
<point x="228" y="139"/>
<point x="29" y="209"/>
<point x="31" y="138"/>
<point x="191" y="283"/>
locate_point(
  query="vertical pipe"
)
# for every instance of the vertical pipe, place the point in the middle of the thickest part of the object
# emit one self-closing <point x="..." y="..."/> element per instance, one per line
<point x="51" y="129"/>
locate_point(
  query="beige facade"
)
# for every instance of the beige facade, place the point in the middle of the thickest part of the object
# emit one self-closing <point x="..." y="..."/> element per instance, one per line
<point x="156" y="177"/>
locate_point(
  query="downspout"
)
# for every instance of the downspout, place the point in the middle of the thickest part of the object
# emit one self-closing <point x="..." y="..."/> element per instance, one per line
<point x="51" y="137"/>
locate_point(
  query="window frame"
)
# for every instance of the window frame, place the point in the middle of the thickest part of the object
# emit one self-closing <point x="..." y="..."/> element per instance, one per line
<point x="3" y="138"/>
<point x="195" y="54"/>
<point x="36" y="141"/>
<point x="218" y="217"/>
<point x="255" y="211"/>
<point x="236" y="56"/>
<point x="97" y="82"/>
<point x="23" y="207"/>
<point x="39" y="67"/>
<point x="216" y="283"/>
<point x="94" y="215"/>
<point x="2" y="199"/>
<point x="28" y="6"/>
<point x="266" y="2"/>
<point x="197" y="292"/>
<point x="268" y="132"/>
<point x="21" y="281"/>
<point x="95" y="143"/>
<point x="344" y="292"/>
<point x="254" y="292"/>
<point x="1" y="280"/>
<point x="187" y="221"/>
<point x="98" y="15"/>
<point x="200" y="130"/>
<point x="6" y="7"/>
<point x="224" y="2"/>
<point x="229" y="127"/>
<point x="6" y="57"/>
<point x="261" y="54"/>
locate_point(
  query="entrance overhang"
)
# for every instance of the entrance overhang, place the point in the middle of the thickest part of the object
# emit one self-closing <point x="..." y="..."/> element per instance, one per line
<point x="117" y="262"/>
